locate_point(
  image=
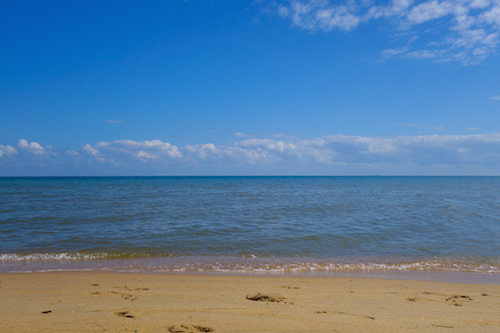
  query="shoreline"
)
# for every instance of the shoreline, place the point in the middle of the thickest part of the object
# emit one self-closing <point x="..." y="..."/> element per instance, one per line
<point x="431" y="269"/>
<point x="118" y="301"/>
<point x="425" y="276"/>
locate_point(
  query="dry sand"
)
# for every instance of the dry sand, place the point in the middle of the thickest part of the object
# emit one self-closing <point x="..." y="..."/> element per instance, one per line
<point x="127" y="302"/>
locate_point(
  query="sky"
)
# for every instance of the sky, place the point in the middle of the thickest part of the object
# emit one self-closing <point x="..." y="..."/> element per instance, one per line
<point x="224" y="87"/>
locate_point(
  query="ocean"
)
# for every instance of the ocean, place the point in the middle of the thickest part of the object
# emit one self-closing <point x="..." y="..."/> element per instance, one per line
<point x="251" y="224"/>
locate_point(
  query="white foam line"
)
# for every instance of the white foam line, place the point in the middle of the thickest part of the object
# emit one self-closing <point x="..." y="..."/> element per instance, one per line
<point x="50" y="256"/>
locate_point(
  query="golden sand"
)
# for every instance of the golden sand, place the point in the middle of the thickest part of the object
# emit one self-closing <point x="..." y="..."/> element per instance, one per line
<point x="128" y="302"/>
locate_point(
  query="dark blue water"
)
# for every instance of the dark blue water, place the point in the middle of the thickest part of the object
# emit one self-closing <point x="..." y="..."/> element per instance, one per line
<point x="254" y="223"/>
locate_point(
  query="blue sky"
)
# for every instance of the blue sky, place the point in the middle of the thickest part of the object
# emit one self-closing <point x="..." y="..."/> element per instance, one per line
<point x="249" y="87"/>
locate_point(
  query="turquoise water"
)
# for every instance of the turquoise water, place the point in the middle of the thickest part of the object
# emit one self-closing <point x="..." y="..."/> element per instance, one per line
<point x="245" y="224"/>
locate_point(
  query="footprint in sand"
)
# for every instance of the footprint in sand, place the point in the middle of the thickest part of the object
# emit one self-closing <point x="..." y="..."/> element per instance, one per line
<point x="355" y="315"/>
<point x="125" y="296"/>
<point x="122" y="287"/>
<point x="458" y="300"/>
<point x="189" y="329"/>
<point x="455" y="300"/>
<point x="442" y="326"/>
<point x="125" y="314"/>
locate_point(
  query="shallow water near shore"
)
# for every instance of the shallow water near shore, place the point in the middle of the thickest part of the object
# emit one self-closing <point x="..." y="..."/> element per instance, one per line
<point x="306" y="267"/>
<point x="285" y="225"/>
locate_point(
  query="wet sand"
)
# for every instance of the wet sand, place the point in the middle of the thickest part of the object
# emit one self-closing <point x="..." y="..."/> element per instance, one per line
<point x="130" y="302"/>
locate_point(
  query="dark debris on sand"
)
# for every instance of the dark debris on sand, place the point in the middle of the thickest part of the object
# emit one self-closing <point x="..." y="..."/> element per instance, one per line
<point x="258" y="297"/>
<point x="189" y="329"/>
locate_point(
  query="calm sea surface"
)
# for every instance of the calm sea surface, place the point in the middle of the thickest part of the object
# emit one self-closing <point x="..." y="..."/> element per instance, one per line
<point x="251" y="224"/>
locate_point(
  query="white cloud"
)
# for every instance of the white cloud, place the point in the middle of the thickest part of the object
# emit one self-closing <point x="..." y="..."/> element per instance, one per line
<point x="493" y="15"/>
<point x="495" y="98"/>
<point x="204" y="151"/>
<point x="140" y="150"/>
<point x="266" y="144"/>
<point x="422" y="54"/>
<point x="6" y="150"/>
<point x="394" y="52"/>
<point x="344" y="149"/>
<point x="472" y="26"/>
<point x="396" y="8"/>
<point x="331" y="153"/>
<point x="91" y="150"/>
<point x="245" y="151"/>
<point x="33" y="147"/>
<point x="480" y="3"/>
<point x="338" y="17"/>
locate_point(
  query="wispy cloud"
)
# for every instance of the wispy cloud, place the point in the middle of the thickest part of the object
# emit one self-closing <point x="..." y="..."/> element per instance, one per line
<point x="72" y="153"/>
<point x="320" y="15"/>
<point x="472" y="26"/>
<point x="430" y="10"/>
<point x="495" y="98"/>
<point x="434" y="128"/>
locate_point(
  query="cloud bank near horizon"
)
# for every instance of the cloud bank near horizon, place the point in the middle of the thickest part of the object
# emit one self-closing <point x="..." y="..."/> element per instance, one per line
<point x="332" y="154"/>
<point x="467" y="31"/>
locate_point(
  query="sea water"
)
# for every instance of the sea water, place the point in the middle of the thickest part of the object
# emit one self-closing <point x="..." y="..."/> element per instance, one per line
<point x="251" y="224"/>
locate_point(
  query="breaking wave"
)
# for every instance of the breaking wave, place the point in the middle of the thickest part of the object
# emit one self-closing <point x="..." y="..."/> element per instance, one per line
<point x="241" y="264"/>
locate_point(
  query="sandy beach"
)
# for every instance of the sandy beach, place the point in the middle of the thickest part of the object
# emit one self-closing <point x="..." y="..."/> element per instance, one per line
<point x="130" y="302"/>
